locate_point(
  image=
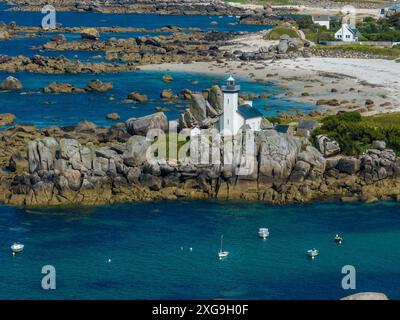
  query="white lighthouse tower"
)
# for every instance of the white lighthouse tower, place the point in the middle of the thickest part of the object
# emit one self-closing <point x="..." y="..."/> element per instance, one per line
<point x="229" y="125"/>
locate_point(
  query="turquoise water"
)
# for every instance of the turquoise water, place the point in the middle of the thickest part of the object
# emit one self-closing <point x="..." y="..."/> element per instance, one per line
<point x="144" y="240"/>
<point x="32" y="106"/>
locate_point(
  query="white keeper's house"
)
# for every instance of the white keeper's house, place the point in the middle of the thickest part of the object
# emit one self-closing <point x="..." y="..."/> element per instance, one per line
<point x="235" y="117"/>
<point x="347" y="33"/>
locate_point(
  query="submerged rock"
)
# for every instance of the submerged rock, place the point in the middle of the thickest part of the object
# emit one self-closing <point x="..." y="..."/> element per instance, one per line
<point x="98" y="86"/>
<point x="58" y="87"/>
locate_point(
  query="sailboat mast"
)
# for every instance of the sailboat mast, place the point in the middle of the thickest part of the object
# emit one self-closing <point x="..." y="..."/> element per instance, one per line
<point x="222" y="239"/>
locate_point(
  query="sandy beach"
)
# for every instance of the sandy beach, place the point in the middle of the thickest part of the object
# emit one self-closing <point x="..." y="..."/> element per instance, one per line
<point x="351" y="81"/>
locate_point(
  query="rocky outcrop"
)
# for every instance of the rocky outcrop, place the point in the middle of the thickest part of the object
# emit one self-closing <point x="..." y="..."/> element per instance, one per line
<point x="11" y="83"/>
<point x="201" y="113"/>
<point x="57" y="87"/>
<point x="138" y="97"/>
<point x="4" y="35"/>
<point x="98" y="86"/>
<point x="6" y="119"/>
<point x="90" y="34"/>
<point x="327" y="146"/>
<point x="90" y="165"/>
<point x="140" y="126"/>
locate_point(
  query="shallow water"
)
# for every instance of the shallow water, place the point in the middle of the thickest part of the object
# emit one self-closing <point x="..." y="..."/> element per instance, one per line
<point x="33" y="106"/>
<point x="144" y="240"/>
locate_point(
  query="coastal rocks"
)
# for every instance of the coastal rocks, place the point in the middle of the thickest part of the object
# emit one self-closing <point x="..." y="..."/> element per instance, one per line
<point x="349" y="165"/>
<point x="113" y="116"/>
<point x="136" y="96"/>
<point x="136" y="151"/>
<point x="379" y="145"/>
<point x="11" y="83"/>
<point x="18" y="163"/>
<point x="168" y="78"/>
<point x="216" y="99"/>
<point x="57" y="87"/>
<point x="4" y="35"/>
<point x="366" y="296"/>
<point x="6" y="119"/>
<point x="327" y="146"/>
<point x="309" y="164"/>
<point x="167" y="94"/>
<point x="140" y="126"/>
<point x="98" y="86"/>
<point x="277" y="156"/>
<point x="90" y="34"/>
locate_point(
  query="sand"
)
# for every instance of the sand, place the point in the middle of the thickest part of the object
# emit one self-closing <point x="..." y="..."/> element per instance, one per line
<point x="351" y="81"/>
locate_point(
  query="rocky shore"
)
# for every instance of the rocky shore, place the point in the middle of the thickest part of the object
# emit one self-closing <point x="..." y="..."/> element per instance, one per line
<point x="90" y="165"/>
<point x="215" y="7"/>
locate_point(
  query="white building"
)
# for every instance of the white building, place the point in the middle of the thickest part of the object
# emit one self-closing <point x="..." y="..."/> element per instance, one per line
<point x="323" y="21"/>
<point x="347" y="33"/>
<point x="235" y="116"/>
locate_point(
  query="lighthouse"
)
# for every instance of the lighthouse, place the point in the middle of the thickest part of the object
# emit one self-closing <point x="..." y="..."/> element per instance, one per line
<point x="235" y="116"/>
<point x="231" y="102"/>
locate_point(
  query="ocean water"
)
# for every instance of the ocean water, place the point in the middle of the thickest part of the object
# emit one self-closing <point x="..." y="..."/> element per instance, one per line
<point x="149" y="247"/>
<point x="32" y="106"/>
<point x="147" y="21"/>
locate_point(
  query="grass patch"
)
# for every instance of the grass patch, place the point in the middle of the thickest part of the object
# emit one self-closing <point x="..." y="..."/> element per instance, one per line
<point x="355" y="134"/>
<point x="277" y="32"/>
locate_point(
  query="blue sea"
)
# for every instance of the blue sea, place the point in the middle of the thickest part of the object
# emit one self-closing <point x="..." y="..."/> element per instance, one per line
<point x="142" y="250"/>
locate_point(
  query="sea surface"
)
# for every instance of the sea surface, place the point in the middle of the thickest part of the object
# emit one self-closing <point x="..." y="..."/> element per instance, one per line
<point x="32" y="106"/>
<point x="168" y="250"/>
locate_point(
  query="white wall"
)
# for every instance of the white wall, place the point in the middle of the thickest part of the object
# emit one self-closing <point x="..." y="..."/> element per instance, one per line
<point x="255" y="123"/>
<point x="230" y="108"/>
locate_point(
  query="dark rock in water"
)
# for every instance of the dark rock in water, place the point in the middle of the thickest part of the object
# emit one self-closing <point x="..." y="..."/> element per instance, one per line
<point x="140" y="126"/>
<point x="11" y="83"/>
<point x="349" y="165"/>
<point x="167" y="94"/>
<point x="57" y="87"/>
<point x="98" y="86"/>
<point x="150" y="41"/>
<point x="136" y="96"/>
<point x="113" y="116"/>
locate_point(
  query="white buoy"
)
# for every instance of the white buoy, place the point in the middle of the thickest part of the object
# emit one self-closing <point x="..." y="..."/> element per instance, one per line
<point x="109" y="260"/>
<point x="191" y="249"/>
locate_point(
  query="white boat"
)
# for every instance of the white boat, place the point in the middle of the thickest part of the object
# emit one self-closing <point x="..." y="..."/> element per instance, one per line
<point x="17" y="247"/>
<point x="312" y="253"/>
<point x="338" y="239"/>
<point x="222" y="254"/>
<point x="263" y="233"/>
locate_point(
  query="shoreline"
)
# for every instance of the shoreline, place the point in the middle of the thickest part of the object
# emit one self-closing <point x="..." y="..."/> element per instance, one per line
<point x="321" y="78"/>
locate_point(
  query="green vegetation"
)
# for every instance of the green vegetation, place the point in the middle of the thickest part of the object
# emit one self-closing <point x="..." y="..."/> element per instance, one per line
<point x="383" y="29"/>
<point x="355" y="134"/>
<point x="317" y="33"/>
<point x="277" y="32"/>
<point x="386" y="53"/>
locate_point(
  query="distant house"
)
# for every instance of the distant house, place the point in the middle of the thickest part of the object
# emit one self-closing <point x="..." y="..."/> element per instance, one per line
<point x="306" y="127"/>
<point x="323" y="21"/>
<point x="389" y="11"/>
<point x="347" y="33"/>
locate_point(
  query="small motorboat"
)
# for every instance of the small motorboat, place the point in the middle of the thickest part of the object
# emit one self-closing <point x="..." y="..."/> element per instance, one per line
<point x="222" y="254"/>
<point x="338" y="239"/>
<point x="17" y="247"/>
<point x="263" y="233"/>
<point x="312" y="253"/>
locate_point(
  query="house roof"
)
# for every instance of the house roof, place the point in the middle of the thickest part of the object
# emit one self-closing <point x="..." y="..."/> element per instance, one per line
<point x="248" y="112"/>
<point x="281" y="128"/>
<point x="307" y="124"/>
<point x="321" y="18"/>
<point x="393" y="8"/>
